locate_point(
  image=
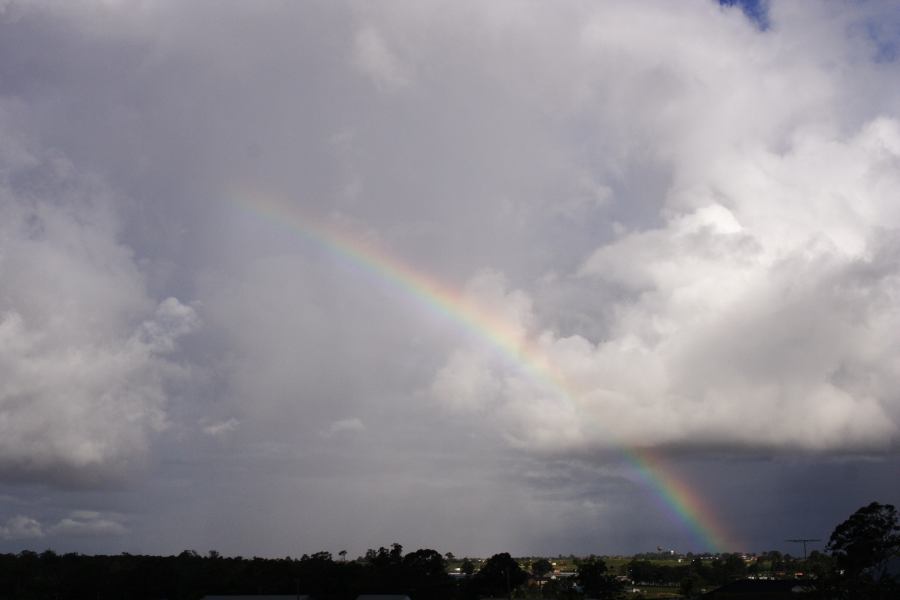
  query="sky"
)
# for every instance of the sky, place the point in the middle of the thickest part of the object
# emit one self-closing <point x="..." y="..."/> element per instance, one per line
<point x="536" y="277"/>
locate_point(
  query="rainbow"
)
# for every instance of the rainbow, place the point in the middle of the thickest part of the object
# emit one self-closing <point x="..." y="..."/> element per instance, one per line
<point x="683" y="503"/>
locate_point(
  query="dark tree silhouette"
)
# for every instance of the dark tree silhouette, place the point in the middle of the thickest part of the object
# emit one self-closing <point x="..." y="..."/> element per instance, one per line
<point x="189" y="576"/>
<point x="867" y="539"/>
<point x="861" y="547"/>
<point x="467" y="567"/>
<point x="539" y="569"/>
<point x="425" y="574"/>
<point x="499" y="576"/>
<point x="597" y="581"/>
<point x="690" y="586"/>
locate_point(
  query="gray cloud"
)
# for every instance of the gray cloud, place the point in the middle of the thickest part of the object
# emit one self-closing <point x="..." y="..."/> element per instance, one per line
<point x="88" y="523"/>
<point x="692" y="219"/>
<point x="79" y="523"/>
<point x="82" y="354"/>
<point x="21" y="528"/>
<point x="344" y="427"/>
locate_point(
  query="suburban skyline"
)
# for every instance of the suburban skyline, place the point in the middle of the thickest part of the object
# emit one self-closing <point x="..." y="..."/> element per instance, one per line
<point x="543" y="278"/>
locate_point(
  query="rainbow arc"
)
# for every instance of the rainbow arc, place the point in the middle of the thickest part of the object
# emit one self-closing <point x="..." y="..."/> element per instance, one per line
<point x="683" y="502"/>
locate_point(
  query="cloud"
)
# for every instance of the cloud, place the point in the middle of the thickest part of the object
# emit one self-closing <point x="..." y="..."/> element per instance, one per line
<point x="83" y="373"/>
<point x="21" y="528"/>
<point x="690" y="218"/>
<point x="344" y="426"/>
<point x="78" y="523"/>
<point x="221" y="428"/>
<point x="756" y="317"/>
<point x="755" y="314"/>
<point x="374" y="58"/>
<point x="88" y="523"/>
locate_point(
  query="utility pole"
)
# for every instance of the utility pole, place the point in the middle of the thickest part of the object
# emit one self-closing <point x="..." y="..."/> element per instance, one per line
<point x="804" y="541"/>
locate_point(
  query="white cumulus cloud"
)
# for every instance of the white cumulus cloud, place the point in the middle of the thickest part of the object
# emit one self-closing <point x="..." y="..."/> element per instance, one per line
<point x="83" y="368"/>
<point x="757" y="313"/>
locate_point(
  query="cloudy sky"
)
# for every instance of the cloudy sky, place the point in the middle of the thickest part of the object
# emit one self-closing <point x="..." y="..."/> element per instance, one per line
<point x="683" y="221"/>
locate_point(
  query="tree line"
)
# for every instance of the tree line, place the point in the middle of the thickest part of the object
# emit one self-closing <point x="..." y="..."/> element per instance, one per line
<point x="857" y="565"/>
<point x="421" y="574"/>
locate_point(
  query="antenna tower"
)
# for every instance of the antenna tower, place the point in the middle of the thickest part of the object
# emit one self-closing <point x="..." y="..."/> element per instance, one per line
<point x="804" y="541"/>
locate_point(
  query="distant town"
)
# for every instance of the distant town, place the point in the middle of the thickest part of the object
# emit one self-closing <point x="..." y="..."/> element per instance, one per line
<point x="861" y="559"/>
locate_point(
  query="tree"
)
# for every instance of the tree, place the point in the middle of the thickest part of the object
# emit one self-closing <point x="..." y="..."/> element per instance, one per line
<point x="729" y="567"/>
<point x="539" y="569"/>
<point x="563" y="588"/>
<point x="384" y="558"/>
<point x="818" y="565"/>
<point x="425" y="574"/>
<point x="861" y="547"/>
<point x="499" y="576"/>
<point x="775" y="560"/>
<point x="426" y="564"/>
<point x="467" y="567"/>
<point x="597" y="581"/>
<point x="690" y="586"/>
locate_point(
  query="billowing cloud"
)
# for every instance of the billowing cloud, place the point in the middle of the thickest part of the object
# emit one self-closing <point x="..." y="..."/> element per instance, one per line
<point x="83" y="373"/>
<point x="757" y="313"/>
<point x="687" y="222"/>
